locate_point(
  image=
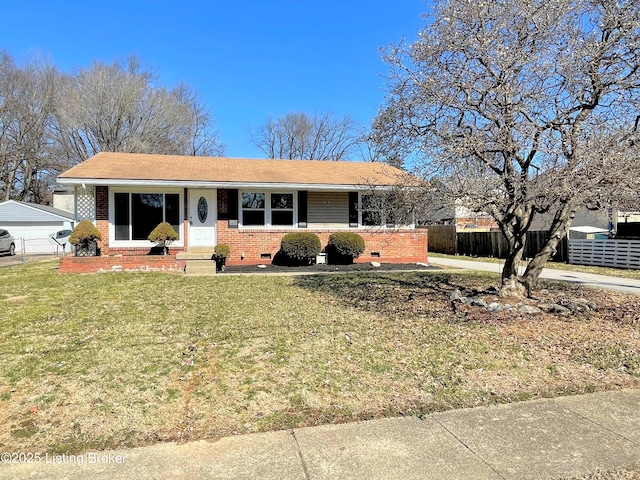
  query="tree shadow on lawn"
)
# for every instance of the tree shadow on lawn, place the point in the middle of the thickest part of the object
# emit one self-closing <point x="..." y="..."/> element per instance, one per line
<point x="394" y="293"/>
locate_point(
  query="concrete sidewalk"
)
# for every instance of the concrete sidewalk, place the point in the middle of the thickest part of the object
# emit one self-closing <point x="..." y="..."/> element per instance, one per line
<point x="542" y="439"/>
<point x="620" y="284"/>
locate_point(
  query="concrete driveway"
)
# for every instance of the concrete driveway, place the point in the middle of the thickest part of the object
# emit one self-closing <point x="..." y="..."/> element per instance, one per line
<point x="7" y="260"/>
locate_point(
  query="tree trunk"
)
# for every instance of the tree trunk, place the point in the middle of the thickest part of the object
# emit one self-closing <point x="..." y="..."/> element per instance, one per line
<point x="557" y="232"/>
<point x="534" y="268"/>
<point x="512" y="286"/>
<point x="511" y="283"/>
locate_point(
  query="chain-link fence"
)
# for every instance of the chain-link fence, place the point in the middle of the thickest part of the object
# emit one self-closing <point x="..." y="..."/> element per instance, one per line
<point x="40" y="246"/>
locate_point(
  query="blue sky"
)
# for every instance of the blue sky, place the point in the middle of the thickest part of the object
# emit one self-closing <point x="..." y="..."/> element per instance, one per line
<point x="248" y="59"/>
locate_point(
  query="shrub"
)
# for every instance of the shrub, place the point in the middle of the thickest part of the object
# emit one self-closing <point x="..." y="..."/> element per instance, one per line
<point x="220" y="254"/>
<point x="221" y="251"/>
<point x="85" y="231"/>
<point x="344" y="247"/>
<point x="163" y="235"/>
<point x="84" y="237"/>
<point x="300" y="247"/>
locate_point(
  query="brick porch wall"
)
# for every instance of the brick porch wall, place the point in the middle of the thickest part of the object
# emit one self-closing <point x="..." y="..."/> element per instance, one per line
<point x="394" y="246"/>
<point x="127" y="263"/>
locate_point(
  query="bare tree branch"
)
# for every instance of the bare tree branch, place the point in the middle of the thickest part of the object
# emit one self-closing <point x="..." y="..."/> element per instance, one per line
<point x="300" y="136"/>
<point x="539" y="98"/>
<point x="118" y="108"/>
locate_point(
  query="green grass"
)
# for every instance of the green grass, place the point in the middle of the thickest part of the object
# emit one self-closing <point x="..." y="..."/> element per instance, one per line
<point x="613" y="272"/>
<point x="124" y="359"/>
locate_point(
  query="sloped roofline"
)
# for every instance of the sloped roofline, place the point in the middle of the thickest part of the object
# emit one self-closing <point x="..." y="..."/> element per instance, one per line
<point x="108" y="168"/>
<point x="42" y="208"/>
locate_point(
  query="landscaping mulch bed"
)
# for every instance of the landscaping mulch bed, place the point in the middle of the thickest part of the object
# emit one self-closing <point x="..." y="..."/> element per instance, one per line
<point x="309" y="269"/>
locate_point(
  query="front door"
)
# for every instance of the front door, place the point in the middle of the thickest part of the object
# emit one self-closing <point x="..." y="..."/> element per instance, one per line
<point x="203" y="210"/>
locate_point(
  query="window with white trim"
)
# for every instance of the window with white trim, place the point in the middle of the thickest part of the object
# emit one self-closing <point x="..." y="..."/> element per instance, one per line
<point x="372" y="211"/>
<point x="282" y="209"/>
<point x="137" y="214"/>
<point x="253" y="208"/>
<point x="379" y="209"/>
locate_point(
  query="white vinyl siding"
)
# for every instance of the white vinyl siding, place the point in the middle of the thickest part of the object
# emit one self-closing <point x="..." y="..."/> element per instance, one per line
<point x="328" y="210"/>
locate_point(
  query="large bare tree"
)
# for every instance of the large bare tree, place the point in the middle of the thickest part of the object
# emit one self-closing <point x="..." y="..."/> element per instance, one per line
<point x="27" y="161"/>
<point x="526" y="107"/>
<point x="119" y="108"/>
<point x="49" y="122"/>
<point x="300" y="136"/>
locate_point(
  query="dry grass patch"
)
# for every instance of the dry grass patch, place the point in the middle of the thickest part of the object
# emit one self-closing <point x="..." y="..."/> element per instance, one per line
<point x="119" y="359"/>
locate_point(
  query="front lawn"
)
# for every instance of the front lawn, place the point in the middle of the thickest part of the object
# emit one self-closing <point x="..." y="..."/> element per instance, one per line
<point x="126" y="359"/>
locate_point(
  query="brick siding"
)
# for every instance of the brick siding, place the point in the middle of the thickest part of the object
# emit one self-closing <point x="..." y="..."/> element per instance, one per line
<point x="394" y="246"/>
<point x="475" y="223"/>
<point x="247" y="245"/>
<point x="102" y="216"/>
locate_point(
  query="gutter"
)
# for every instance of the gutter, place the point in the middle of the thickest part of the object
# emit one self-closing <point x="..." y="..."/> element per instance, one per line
<point x="209" y="184"/>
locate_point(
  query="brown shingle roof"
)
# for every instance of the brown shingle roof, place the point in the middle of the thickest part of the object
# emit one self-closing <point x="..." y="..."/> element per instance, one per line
<point x="150" y="167"/>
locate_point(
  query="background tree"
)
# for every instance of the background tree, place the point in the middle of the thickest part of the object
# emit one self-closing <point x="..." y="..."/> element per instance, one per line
<point x="49" y="121"/>
<point x="373" y="147"/>
<point x="301" y="136"/>
<point x="117" y="108"/>
<point x="28" y="162"/>
<point x="525" y="107"/>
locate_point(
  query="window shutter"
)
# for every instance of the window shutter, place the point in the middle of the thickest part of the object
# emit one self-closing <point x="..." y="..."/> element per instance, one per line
<point x="233" y="208"/>
<point x="302" y="209"/>
<point x="223" y="204"/>
<point x="353" y="209"/>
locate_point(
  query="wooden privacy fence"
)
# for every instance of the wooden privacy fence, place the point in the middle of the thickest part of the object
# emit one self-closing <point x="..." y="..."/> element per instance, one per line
<point x="605" y="253"/>
<point x="444" y="239"/>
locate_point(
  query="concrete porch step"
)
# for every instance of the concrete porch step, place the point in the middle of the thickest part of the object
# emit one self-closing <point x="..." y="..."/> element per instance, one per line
<point x="199" y="263"/>
<point x="195" y="255"/>
<point x="209" y="250"/>
<point x="200" y="267"/>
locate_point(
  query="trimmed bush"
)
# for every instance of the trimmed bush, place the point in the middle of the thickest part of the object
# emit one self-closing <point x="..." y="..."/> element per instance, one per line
<point x="84" y="237"/>
<point x="301" y="247"/>
<point x="220" y="254"/>
<point x="85" y="231"/>
<point x="222" y="251"/>
<point x="344" y="247"/>
<point x="163" y="235"/>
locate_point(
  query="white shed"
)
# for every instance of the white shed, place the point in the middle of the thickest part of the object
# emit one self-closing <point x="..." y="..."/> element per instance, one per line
<point x="31" y="225"/>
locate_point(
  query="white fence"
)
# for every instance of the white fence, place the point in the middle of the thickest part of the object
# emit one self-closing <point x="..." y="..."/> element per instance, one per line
<point x="605" y="253"/>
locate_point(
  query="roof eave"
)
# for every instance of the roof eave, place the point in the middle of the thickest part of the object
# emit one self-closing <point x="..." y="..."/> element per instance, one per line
<point x="208" y="184"/>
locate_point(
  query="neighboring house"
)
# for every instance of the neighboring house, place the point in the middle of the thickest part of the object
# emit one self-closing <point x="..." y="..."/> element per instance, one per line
<point x="598" y="219"/>
<point x="244" y="203"/>
<point x="33" y="223"/>
<point x="464" y="219"/>
<point x="627" y="224"/>
<point x="64" y="199"/>
<point x="620" y="224"/>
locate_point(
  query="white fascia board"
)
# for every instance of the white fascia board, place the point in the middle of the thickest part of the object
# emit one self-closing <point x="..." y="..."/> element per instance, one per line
<point x="196" y="184"/>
